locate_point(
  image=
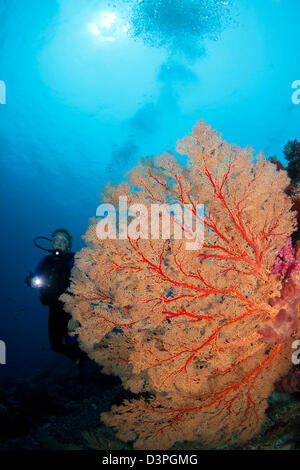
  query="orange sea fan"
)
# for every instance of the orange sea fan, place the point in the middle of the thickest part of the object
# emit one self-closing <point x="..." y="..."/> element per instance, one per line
<point x="183" y="325"/>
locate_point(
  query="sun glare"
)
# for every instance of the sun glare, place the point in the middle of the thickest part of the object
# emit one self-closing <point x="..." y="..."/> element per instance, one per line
<point x="107" y="19"/>
<point x="108" y="27"/>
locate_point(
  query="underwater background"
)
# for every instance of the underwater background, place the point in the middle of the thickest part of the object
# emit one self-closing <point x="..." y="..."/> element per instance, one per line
<point x="92" y="86"/>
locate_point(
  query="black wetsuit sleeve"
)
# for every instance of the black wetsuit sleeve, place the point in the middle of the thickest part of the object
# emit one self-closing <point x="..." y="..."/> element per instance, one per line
<point x="39" y="269"/>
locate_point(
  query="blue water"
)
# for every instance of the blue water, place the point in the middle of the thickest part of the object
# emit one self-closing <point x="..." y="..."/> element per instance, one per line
<point x="91" y="86"/>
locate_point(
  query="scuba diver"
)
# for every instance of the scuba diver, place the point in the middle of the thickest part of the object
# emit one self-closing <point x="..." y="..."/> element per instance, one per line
<point x="52" y="278"/>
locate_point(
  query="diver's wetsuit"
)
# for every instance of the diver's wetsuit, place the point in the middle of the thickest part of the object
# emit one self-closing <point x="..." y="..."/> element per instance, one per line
<point x="54" y="271"/>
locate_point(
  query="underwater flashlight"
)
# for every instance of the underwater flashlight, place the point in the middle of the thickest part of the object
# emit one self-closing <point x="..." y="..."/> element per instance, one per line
<point x="37" y="282"/>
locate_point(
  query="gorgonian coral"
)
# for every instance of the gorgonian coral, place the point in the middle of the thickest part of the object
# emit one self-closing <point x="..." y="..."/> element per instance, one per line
<point x="183" y="325"/>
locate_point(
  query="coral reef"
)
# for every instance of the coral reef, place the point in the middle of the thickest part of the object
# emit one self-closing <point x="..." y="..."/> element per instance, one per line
<point x="295" y="194"/>
<point x="291" y="382"/>
<point x="48" y="410"/>
<point x="287" y="267"/>
<point x="180" y="327"/>
<point x="70" y="423"/>
<point x="292" y="154"/>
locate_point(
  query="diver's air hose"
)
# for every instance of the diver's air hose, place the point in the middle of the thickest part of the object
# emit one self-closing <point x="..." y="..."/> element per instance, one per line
<point x="41" y="247"/>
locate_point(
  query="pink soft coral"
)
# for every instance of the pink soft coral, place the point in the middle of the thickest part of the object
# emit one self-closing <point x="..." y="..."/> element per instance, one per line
<point x="285" y="259"/>
<point x="281" y="328"/>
